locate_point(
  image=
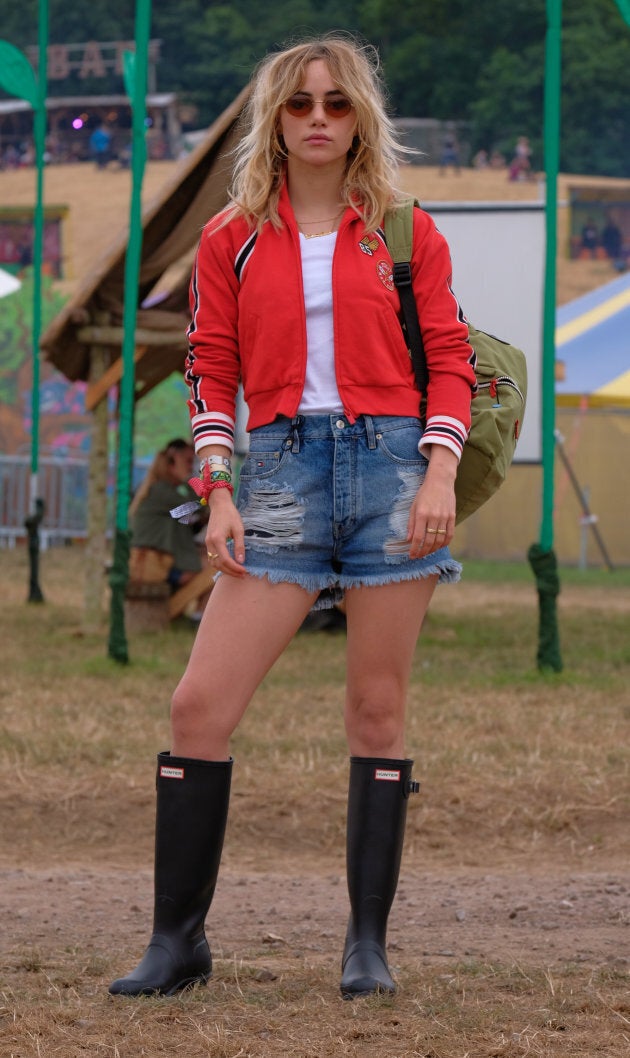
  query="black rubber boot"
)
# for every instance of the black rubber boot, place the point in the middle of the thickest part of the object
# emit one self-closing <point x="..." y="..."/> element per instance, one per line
<point x="377" y="809"/>
<point x="192" y="806"/>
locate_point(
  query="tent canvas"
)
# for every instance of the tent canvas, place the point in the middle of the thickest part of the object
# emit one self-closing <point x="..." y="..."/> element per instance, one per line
<point x="172" y="225"/>
<point x="593" y="349"/>
<point x="8" y="283"/>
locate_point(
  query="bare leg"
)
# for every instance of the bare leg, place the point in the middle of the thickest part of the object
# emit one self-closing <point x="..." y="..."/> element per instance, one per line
<point x="383" y="627"/>
<point x="246" y="625"/>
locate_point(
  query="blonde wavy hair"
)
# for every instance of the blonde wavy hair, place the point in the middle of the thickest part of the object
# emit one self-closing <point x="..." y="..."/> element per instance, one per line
<point x="260" y="157"/>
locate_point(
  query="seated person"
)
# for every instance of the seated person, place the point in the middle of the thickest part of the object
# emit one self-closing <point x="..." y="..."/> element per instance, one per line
<point x="590" y="237"/>
<point x="612" y="239"/>
<point x="153" y="530"/>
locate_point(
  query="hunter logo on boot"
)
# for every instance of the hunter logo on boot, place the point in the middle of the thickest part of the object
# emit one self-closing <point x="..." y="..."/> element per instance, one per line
<point x="386" y="775"/>
<point x="171" y="773"/>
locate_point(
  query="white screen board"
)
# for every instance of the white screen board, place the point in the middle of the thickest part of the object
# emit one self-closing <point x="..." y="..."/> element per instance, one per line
<point x="498" y="254"/>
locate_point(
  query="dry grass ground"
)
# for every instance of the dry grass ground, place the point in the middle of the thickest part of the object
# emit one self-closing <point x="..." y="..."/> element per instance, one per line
<point x="510" y="935"/>
<point x="99" y="208"/>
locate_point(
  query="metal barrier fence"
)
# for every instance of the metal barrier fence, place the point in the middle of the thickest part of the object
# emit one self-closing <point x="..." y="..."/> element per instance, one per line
<point x="63" y="486"/>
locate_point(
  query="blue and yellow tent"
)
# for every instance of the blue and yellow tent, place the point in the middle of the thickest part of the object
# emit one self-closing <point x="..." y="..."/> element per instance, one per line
<point x="593" y="348"/>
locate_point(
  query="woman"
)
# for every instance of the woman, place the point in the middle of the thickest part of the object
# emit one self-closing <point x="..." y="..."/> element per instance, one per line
<point x="156" y="538"/>
<point x="342" y="491"/>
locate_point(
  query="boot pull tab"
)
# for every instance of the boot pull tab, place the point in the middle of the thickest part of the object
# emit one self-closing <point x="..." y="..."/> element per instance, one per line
<point x="411" y="787"/>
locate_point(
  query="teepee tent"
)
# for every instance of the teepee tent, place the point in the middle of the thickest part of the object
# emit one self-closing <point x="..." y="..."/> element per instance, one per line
<point x="593" y="349"/>
<point x="8" y="283"/>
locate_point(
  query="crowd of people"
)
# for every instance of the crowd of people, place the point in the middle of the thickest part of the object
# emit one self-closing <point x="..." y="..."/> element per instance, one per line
<point x="102" y="146"/>
<point x="605" y="242"/>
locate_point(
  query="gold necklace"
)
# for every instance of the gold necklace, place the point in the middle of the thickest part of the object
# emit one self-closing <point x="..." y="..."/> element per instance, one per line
<point x="322" y="220"/>
<point x="318" y="234"/>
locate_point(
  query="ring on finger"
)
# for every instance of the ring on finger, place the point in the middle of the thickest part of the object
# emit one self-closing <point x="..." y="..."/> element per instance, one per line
<point x="212" y="556"/>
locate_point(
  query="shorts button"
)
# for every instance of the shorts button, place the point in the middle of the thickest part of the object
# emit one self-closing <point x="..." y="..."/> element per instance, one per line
<point x="340" y="424"/>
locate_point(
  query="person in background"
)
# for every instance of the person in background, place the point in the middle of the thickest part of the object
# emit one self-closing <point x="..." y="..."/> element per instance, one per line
<point x="450" y="155"/>
<point x="101" y="145"/>
<point x="590" y="237"/>
<point x="152" y="527"/>
<point x="521" y="164"/>
<point x="344" y="489"/>
<point x="612" y="239"/>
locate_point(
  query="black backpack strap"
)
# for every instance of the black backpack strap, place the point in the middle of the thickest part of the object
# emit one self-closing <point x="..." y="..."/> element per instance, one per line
<point x="399" y="238"/>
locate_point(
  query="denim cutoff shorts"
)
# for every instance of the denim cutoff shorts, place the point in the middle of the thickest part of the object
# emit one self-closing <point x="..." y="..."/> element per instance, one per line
<point x="325" y="503"/>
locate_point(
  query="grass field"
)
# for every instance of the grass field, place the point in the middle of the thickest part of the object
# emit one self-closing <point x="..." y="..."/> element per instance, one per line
<point x="510" y="935"/>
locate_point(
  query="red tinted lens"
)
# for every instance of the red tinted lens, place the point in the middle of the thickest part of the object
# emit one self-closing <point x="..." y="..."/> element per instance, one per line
<point x="334" y="106"/>
<point x="299" y="106"/>
<point x="337" y="106"/>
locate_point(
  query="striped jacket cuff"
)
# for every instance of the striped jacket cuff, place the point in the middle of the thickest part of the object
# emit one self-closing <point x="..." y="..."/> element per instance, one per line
<point x="213" y="428"/>
<point x="444" y="430"/>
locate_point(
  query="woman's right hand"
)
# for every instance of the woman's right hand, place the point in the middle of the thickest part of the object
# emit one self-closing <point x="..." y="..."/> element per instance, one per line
<point x="225" y="524"/>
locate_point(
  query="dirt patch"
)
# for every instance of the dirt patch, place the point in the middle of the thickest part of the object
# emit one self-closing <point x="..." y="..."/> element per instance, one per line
<point x="551" y="915"/>
<point x="510" y="933"/>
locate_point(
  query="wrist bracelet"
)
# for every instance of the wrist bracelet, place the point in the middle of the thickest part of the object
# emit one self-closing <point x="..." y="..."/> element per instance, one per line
<point x="217" y="485"/>
<point x="221" y="461"/>
<point x="204" y="488"/>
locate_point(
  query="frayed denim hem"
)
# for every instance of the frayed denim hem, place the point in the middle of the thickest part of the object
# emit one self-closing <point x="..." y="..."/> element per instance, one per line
<point x="449" y="573"/>
<point x="329" y="591"/>
<point x="331" y="588"/>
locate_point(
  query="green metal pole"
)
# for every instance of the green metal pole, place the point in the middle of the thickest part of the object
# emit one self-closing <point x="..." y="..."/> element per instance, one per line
<point x="18" y="78"/>
<point x="552" y="154"/>
<point x="136" y="81"/>
<point x="36" y="506"/>
<point x="38" y="235"/>
<point x="624" y="10"/>
<point x="541" y="556"/>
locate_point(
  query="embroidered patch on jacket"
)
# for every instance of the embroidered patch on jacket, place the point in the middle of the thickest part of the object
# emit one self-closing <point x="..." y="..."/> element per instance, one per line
<point x="369" y="244"/>
<point x="387" y="776"/>
<point x="385" y="274"/>
<point x="171" y="773"/>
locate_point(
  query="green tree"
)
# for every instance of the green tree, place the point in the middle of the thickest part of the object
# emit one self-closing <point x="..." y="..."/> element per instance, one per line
<point x="509" y="101"/>
<point x="596" y="90"/>
<point x="483" y="65"/>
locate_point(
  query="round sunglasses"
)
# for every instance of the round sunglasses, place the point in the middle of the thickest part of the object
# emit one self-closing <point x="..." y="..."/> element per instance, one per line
<point x="335" y="106"/>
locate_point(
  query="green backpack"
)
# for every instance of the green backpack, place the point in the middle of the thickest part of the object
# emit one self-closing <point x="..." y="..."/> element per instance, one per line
<point x="497" y="409"/>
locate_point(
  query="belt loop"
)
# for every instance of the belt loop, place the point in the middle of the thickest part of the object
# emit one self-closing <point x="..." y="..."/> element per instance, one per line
<point x="295" y="425"/>
<point x="370" y="431"/>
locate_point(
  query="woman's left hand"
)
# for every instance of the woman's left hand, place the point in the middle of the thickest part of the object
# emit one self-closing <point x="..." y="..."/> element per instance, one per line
<point x="432" y="516"/>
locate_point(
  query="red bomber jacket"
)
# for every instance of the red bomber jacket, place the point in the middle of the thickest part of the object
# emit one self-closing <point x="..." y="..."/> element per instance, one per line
<point x="248" y="323"/>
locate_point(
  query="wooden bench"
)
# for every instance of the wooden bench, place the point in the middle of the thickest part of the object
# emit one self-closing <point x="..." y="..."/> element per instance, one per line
<point x="199" y="585"/>
<point x="149" y="604"/>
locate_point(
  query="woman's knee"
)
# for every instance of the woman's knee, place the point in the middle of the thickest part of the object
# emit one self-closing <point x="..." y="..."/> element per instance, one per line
<point x="375" y="725"/>
<point x="186" y="711"/>
<point x="194" y="714"/>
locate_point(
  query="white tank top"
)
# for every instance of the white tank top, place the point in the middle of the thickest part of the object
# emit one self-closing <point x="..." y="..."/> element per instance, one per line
<point x="320" y="394"/>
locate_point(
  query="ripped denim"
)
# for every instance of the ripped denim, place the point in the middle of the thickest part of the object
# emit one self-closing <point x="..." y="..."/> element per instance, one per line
<point x="325" y="503"/>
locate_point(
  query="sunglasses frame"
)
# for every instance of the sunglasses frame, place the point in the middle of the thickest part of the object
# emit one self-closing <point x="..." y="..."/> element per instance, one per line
<point x="309" y="105"/>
